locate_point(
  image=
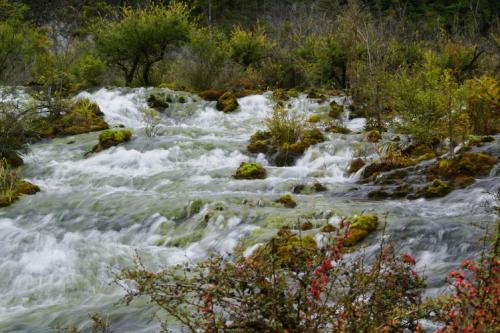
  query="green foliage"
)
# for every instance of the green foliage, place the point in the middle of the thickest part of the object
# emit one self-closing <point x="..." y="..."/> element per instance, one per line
<point x="18" y="41"/>
<point x="430" y="104"/>
<point x="249" y="47"/>
<point x="142" y="37"/>
<point x="483" y="104"/>
<point x="88" y="70"/>
<point x="13" y="134"/>
<point x="291" y="284"/>
<point x="285" y="126"/>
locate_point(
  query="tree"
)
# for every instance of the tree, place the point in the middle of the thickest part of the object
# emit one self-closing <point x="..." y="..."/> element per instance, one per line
<point x="249" y="47"/>
<point x="142" y="38"/>
<point x="430" y="103"/>
<point x="18" y="39"/>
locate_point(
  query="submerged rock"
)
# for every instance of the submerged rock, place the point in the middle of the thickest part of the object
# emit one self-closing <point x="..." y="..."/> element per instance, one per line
<point x="110" y="138"/>
<point x="309" y="188"/>
<point x="250" y="170"/>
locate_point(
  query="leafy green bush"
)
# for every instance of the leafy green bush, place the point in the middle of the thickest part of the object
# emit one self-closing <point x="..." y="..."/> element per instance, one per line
<point x="249" y="47"/>
<point x="142" y="37"/>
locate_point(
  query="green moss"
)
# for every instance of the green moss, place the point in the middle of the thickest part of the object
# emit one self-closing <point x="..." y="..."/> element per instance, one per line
<point x="314" y="118"/>
<point x="27" y="188"/>
<point x="373" y="136"/>
<point x="338" y="130"/>
<point x="287" y="201"/>
<point x="335" y="110"/>
<point x="250" y="170"/>
<point x="183" y="241"/>
<point x="21" y="188"/>
<point x="366" y="222"/>
<point x="110" y="138"/>
<point x="312" y="137"/>
<point x="258" y="146"/>
<point x="227" y="102"/>
<point x="437" y="188"/>
<point x="468" y="164"/>
<point x="289" y="250"/>
<point x="280" y="95"/>
<point x="157" y="101"/>
<point x="360" y="227"/>
<point x="83" y="116"/>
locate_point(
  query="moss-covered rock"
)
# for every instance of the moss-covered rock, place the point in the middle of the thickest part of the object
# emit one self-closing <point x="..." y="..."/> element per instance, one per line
<point x="250" y="170"/>
<point x="83" y="116"/>
<point x="287" y="201"/>
<point x="376" y="168"/>
<point x="258" y="146"/>
<point x="335" y="110"/>
<point x="110" y="138"/>
<point x="373" y="136"/>
<point x="157" y="101"/>
<point x="468" y="164"/>
<point x="356" y="165"/>
<point x="288" y="249"/>
<point x="314" y="118"/>
<point x="227" y="102"/>
<point x="21" y="188"/>
<point x="360" y="227"/>
<point x="26" y="188"/>
<point x="338" y="129"/>
<point x="212" y="95"/>
<point x="312" y="137"/>
<point x="436" y="189"/>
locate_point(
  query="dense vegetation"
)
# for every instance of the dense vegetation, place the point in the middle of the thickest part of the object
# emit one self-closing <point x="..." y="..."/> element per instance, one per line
<point x="428" y="69"/>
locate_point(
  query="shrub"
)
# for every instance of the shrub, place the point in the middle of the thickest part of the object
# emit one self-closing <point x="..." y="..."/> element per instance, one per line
<point x="13" y="134"/>
<point x="288" y="284"/>
<point x="248" y="47"/>
<point x="285" y="127"/>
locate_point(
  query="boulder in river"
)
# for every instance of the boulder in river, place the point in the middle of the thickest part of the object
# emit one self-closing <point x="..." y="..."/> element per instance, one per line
<point x="112" y="137"/>
<point x="250" y="170"/>
<point x="227" y="103"/>
<point x="360" y="227"/>
<point x="287" y="201"/>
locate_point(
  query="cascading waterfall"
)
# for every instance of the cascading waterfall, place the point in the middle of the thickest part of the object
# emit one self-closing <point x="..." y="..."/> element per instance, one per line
<point x="59" y="248"/>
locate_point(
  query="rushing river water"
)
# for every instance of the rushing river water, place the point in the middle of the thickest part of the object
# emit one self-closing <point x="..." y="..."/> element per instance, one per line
<point x="58" y="248"/>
